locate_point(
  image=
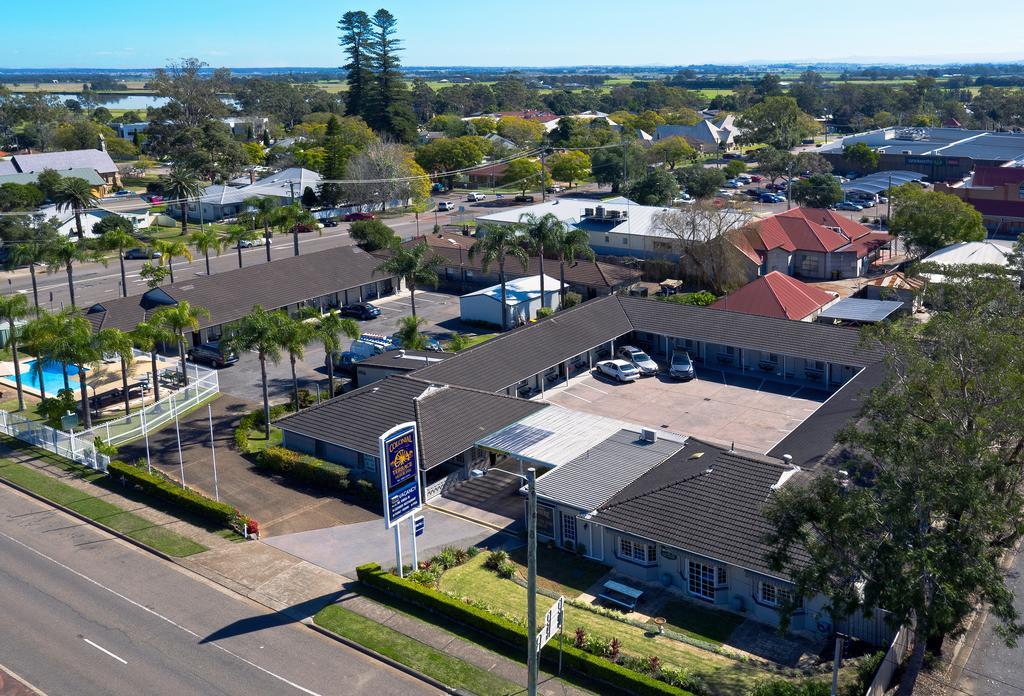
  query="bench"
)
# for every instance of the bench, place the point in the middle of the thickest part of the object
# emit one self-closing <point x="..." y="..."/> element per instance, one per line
<point x="621" y="595"/>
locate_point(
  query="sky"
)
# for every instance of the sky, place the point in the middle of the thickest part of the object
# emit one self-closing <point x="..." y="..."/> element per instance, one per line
<point x="261" y="33"/>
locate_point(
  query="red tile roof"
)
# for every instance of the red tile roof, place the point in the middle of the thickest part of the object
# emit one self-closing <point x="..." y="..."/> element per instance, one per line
<point x="776" y="295"/>
<point x="812" y="229"/>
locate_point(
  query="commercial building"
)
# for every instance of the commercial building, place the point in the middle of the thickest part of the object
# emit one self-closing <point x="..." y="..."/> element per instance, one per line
<point x="991" y="252"/>
<point x="395" y="363"/>
<point x="523" y="299"/>
<point x="324" y="279"/>
<point x="998" y="194"/>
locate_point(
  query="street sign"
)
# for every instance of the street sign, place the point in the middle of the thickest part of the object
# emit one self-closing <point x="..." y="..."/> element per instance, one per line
<point x="553" y="621"/>
<point x="419" y="524"/>
<point x="400" y="474"/>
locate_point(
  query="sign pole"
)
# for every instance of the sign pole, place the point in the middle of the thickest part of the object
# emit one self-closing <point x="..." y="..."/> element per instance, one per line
<point x="398" y="550"/>
<point x="181" y="462"/>
<point x="415" y="560"/>
<point x="145" y="433"/>
<point x="213" y="454"/>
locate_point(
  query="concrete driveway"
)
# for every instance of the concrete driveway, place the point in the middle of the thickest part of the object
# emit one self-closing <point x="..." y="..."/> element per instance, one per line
<point x="720" y="407"/>
<point x="342" y="549"/>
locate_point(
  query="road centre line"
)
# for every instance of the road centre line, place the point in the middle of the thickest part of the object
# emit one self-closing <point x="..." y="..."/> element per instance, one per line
<point x="102" y="649"/>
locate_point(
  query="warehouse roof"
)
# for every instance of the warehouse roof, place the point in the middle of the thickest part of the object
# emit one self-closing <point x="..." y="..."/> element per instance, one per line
<point x="881" y="181"/>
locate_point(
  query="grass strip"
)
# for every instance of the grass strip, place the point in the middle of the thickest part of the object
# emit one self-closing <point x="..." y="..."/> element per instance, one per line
<point x="129" y="524"/>
<point x="412" y="653"/>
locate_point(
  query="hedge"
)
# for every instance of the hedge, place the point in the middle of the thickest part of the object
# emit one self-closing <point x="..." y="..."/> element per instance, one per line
<point x="574" y="659"/>
<point x="303" y="468"/>
<point x="186" y="498"/>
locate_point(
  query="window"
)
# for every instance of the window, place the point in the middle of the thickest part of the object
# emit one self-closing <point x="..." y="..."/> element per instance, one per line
<point x="723" y="578"/>
<point x="701" y="579"/>
<point x="637" y="551"/>
<point x="773" y="595"/>
<point x="607" y="239"/>
<point x="568" y="529"/>
<point x="545" y="520"/>
<point x="625" y="241"/>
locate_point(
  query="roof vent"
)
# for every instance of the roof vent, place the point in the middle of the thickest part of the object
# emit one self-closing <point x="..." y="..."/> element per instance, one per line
<point x="648" y="435"/>
<point x="788" y="458"/>
<point x="401" y="352"/>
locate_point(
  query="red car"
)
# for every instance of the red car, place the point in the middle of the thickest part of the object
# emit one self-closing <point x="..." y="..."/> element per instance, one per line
<point x="756" y="177"/>
<point x="352" y="217"/>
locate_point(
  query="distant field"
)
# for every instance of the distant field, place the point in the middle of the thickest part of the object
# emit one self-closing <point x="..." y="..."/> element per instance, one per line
<point x="134" y="87"/>
<point x="712" y="93"/>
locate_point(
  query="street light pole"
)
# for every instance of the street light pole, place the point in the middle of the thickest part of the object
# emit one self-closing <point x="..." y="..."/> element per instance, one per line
<point x="531" y="582"/>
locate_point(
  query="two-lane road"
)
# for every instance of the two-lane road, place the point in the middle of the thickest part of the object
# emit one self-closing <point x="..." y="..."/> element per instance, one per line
<point x="84" y="613"/>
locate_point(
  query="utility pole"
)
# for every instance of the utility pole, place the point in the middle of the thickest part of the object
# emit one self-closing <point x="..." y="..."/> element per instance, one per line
<point x="622" y="187"/>
<point x="543" y="188"/>
<point x="531" y="583"/>
<point x="291" y="186"/>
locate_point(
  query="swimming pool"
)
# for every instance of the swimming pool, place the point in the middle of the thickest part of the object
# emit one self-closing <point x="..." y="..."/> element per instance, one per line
<point x="53" y="376"/>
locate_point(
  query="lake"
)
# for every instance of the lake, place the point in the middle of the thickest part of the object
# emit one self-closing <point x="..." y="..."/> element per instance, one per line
<point x="129" y="102"/>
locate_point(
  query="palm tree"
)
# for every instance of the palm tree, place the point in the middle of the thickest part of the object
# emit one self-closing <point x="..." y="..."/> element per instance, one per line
<point x="415" y="266"/>
<point x="12" y="308"/>
<point x="147" y="335"/>
<point x="169" y="248"/>
<point x="62" y="254"/>
<point x="84" y="349"/>
<point x="31" y="253"/>
<point x="178" y="319"/>
<point x="294" y="335"/>
<point x="570" y="243"/>
<point x="120" y="241"/>
<point x="75" y="193"/>
<point x="295" y="219"/>
<point x="234" y="238"/>
<point x="498" y="242"/>
<point x="49" y="338"/>
<point x="540" y="233"/>
<point x="264" y="211"/>
<point x="33" y="340"/>
<point x="120" y="343"/>
<point x="205" y="241"/>
<point x="409" y="334"/>
<point x="181" y="184"/>
<point x="328" y="329"/>
<point x="259" y="331"/>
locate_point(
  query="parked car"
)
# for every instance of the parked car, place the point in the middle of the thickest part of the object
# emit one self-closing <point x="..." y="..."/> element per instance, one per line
<point x="619" y="370"/>
<point x="756" y="178"/>
<point x="445" y="205"/>
<point x="344" y="363"/>
<point x="848" y="205"/>
<point x="355" y="217"/>
<point x="726" y="192"/>
<point x="523" y="199"/>
<point x="681" y="366"/>
<point x="330" y="223"/>
<point x="641" y="360"/>
<point x="257" y="242"/>
<point x="474" y="197"/>
<point x="554" y="189"/>
<point x="361" y="310"/>
<point x="212" y="354"/>
<point x="732" y="156"/>
<point x="140" y="253"/>
<point x="734" y="183"/>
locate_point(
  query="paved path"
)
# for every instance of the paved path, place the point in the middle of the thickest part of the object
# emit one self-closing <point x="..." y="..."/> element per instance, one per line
<point x="277" y="506"/>
<point x="86" y="614"/>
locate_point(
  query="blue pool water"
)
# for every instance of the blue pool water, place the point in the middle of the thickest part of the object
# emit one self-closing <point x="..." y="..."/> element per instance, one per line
<point x="53" y="377"/>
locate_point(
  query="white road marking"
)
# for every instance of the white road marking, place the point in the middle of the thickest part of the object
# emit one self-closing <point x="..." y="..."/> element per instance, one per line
<point x="156" y="614"/>
<point x="794" y="393"/>
<point x="567" y="393"/>
<point x="102" y="649"/>
<point x="759" y="386"/>
<point x="600" y="391"/>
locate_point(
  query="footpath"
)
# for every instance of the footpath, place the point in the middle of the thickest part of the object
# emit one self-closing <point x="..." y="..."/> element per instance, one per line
<point x="298" y="589"/>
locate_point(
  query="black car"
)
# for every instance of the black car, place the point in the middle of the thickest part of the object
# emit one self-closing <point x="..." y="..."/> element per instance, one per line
<point x="212" y="354"/>
<point x="140" y="253"/>
<point x="361" y="310"/>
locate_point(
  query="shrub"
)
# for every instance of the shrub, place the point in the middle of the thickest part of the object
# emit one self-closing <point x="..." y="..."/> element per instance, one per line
<point x="544" y="312"/>
<point x="303" y="468"/>
<point x="580" y="637"/>
<point x="159" y="486"/>
<point x="447" y="558"/>
<point x="571" y="300"/>
<point x="513" y="634"/>
<point x="507" y="570"/>
<point x="495" y="559"/>
<point x="367" y="490"/>
<point x="472" y="552"/>
<point x="596" y="646"/>
<point x="103" y="448"/>
<point x="242" y="439"/>
<point x="614" y="648"/>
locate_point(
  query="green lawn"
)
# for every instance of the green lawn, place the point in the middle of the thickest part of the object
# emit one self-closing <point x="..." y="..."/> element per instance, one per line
<point x="476" y="340"/>
<point x="702" y="623"/>
<point x="412" y="653"/>
<point x="258" y="443"/>
<point x="94" y="508"/>
<point x="561" y="572"/>
<point x="724" y="676"/>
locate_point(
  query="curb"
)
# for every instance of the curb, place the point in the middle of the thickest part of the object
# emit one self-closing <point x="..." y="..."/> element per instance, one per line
<point x="176" y="561"/>
<point x="383" y="658"/>
<point x="105" y="528"/>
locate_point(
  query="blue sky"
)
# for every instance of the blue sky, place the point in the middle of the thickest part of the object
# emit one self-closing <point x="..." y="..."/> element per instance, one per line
<point x="261" y="33"/>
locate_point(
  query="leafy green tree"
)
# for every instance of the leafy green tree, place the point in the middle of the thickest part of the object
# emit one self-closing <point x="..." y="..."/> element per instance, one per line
<point x="14" y="308"/>
<point x="934" y="500"/>
<point x="62" y="254"/>
<point x="522" y="132"/>
<point x="20" y="197"/>
<point x="409" y="335"/>
<point x="259" y="331"/>
<point x="606" y="165"/>
<point x="861" y="155"/>
<point x="75" y="194"/>
<point x="295" y="334"/>
<point x="181" y="184"/>
<point x="416" y="266"/>
<point x="450" y="154"/>
<point x="328" y="330"/>
<point x="775" y="163"/>
<point x="930" y="220"/>
<point x="48" y="182"/>
<point x="355" y="37"/>
<point x="818" y="191"/>
<point x="776" y="121"/>
<point x="569" y="166"/>
<point x="699" y="181"/>
<point x="656" y="187"/>
<point x="671" y="151"/>
<point x="205" y="241"/>
<point x="522" y="173"/>
<point x="457" y="342"/>
<point x="264" y="213"/>
<point x="497" y="243"/>
<point x="372" y="235"/>
<point x="733" y="168"/>
<point x="178" y="319"/>
<point x="153" y="274"/>
<point x="148" y="336"/>
<point x="116" y="234"/>
<point x="169" y="248"/>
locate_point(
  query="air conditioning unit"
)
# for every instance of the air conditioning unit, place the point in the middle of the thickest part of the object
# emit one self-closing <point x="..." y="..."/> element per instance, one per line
<point x="599" y="211"/>
<point x="625" y="213"/>
<point x="588" y="212"/>
<point x="648" y="435"/>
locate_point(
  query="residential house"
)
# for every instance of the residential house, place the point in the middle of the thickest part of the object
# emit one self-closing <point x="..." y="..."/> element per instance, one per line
<point x="219" y="201"/>
<point x="780" y="296"/>
<point x="498" y="141"/>
<point x="705" y="136"/>
<point x="523" y="299"/>
<point x="486" y="175"/>
<point x="99" y="186"/>
<point x="65" y="161"/>
<point x="247" y="126"/>
<point x="896" y="285"/>
<point x="129" y="130"/>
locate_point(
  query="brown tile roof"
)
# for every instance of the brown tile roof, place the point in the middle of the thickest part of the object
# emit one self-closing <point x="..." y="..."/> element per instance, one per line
<point x="776" y="295"/>
<point x="810" y="229"/>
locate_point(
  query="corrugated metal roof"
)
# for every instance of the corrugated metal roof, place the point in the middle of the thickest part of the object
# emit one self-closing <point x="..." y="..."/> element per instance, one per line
<point x="857" y="309"/>
<point x="593" y="478"/>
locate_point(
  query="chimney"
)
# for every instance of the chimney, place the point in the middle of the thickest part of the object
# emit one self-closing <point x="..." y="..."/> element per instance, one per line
<point x="102" y="145"/>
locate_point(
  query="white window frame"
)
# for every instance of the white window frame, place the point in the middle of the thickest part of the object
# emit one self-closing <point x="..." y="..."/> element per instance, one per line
<point x="700" y="579"/>
<point x="569" y="531"/>
<point x="772" y="595"/>
<point x="636" y="551"/>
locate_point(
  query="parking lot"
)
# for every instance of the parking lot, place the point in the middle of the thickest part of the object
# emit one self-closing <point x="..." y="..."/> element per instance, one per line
<point x="720" y="407"/>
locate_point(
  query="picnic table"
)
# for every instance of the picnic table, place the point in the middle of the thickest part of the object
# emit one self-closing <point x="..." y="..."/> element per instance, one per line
<point x="621" y="595"/>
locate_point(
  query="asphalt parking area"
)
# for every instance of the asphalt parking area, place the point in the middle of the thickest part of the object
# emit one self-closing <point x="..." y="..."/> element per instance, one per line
<point x="717" y="406"/>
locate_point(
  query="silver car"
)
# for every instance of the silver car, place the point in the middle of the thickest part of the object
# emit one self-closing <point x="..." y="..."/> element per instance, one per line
<point x="681" y="366"/>
<point x="640" y="359"/>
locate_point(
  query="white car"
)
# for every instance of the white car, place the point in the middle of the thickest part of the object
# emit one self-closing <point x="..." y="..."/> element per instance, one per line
<point x="445" y="205"/>
<point x="619" y="370"/>
<point x="257" y="242"/>
<point x="473" y="197"/>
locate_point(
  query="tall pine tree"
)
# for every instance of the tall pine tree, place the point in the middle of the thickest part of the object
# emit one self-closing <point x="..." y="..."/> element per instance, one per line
<point x="355" y="34"/>
<point x="391" y="105"/>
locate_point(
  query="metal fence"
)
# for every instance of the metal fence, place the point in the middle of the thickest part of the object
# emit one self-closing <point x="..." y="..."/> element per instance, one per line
<point x="77" y="447"/>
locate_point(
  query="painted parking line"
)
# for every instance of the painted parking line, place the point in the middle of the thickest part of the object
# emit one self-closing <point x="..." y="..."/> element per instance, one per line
<point x="794" y="393"/>
<point x="599" y="391"/>
<point x="569" y="393"/>
<point x="760" y="385"/>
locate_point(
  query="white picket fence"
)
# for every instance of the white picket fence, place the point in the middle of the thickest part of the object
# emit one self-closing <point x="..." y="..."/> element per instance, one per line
<point x="77" y="447"/>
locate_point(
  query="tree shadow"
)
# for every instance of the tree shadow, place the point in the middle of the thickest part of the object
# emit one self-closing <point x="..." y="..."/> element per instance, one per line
<point x="289" y="615"/>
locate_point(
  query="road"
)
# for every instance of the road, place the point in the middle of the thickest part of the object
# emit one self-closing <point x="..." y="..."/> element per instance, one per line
<point x="88" y="614"/>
